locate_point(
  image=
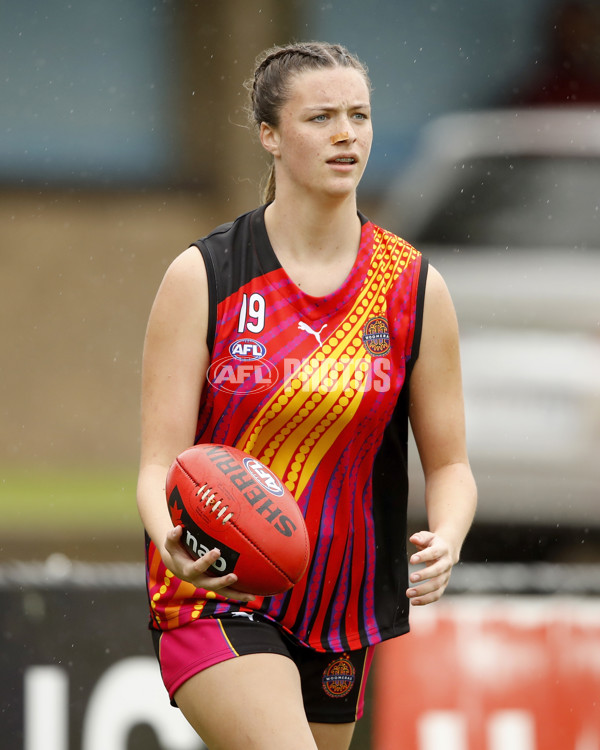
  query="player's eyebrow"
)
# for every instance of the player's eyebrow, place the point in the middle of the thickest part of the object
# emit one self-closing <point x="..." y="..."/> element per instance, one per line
<point x="335" y="108"/>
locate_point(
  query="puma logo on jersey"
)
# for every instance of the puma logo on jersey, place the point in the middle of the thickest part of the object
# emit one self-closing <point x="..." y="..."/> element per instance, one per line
<point x="317" y="334"/>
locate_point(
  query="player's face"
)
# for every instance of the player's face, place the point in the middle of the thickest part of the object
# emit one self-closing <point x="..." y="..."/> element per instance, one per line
<point x="324" y="136"/>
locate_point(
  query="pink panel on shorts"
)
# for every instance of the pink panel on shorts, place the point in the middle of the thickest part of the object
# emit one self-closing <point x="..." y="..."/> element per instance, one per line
<point x="188" y="650"/>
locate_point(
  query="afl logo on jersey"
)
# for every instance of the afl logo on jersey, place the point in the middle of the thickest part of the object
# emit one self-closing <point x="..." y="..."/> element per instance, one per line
<point x="235" y="375"/>
<point x="267" y="480"/>
<point x="339" y="677"/>
<point x="376" y="336"/>
<point x="246" y="349"/>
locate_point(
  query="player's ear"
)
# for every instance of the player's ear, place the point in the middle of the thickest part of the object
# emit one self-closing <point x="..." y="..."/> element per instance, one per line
<point x="269" y="137"/>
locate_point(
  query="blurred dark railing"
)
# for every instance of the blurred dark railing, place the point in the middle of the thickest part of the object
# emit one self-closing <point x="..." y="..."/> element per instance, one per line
<point x="59" y="571"/>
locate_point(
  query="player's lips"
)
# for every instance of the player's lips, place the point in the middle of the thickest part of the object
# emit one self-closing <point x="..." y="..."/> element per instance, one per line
<point x="343" y="160"/>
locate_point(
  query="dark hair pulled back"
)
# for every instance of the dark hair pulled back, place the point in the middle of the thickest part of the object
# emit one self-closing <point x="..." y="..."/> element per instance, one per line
<point x="270" y="87"/>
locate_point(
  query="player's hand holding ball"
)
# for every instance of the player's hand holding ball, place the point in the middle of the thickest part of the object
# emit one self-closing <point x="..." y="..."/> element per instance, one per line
<point x="184" y="566"/>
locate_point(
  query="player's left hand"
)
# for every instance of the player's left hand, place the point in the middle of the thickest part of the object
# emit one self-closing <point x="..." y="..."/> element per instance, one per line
<point x="430" y="582"/>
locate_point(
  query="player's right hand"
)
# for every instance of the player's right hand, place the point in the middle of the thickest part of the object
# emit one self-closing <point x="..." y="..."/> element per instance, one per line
<point x="179" y="562"/>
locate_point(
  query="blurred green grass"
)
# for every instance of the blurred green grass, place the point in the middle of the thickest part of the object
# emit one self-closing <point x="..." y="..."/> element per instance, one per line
<point x="64" y="500"/>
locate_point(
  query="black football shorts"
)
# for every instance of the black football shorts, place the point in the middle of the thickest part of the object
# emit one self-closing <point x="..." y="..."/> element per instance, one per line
<point x="333" y="684"/>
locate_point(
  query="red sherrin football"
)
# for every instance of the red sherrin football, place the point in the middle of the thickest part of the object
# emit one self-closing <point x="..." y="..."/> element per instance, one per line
<point x="225" y="498"/>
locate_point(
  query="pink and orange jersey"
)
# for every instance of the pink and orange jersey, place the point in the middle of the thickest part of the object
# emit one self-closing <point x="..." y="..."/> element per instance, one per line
<point x="317" y="389"/>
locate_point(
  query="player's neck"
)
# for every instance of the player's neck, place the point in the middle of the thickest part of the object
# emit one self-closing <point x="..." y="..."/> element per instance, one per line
<point x="317" y="252"/>
<point x="314" y="231"/>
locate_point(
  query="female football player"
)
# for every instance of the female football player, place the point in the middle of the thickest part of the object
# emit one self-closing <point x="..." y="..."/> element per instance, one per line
<point x="360" y="338"/>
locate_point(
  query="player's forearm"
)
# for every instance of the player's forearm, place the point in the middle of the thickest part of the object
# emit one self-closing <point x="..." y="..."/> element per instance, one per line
<point x="451" y="500"/>
<point x="152" y="503"/>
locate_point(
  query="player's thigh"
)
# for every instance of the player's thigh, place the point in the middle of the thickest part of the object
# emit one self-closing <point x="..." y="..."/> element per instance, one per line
<point x="251" y="702"/>
<point x="332" y="736"/>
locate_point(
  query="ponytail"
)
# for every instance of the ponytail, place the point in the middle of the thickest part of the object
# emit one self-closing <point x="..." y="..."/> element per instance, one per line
<point x="268" y="191"/>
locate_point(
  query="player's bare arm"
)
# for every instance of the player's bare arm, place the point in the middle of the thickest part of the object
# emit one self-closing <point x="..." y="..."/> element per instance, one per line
<point x="438" y="424"/>
<point x="175" y="360"/>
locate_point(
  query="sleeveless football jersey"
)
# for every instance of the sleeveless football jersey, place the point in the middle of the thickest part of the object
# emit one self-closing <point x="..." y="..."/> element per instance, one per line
<point x="316" y="388"/>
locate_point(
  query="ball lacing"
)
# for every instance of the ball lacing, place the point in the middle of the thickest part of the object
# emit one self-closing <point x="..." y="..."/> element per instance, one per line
<point x="214" y="505"/>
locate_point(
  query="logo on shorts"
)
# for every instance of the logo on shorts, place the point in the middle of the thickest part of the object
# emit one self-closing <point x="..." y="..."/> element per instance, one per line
<point x="338" y="679"/>
<point x="376" y="336"/>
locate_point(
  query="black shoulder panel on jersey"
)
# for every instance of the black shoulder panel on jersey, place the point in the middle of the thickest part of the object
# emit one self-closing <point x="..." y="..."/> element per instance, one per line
<point x="416" y="345"/>
<point x="234" y="254"/>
